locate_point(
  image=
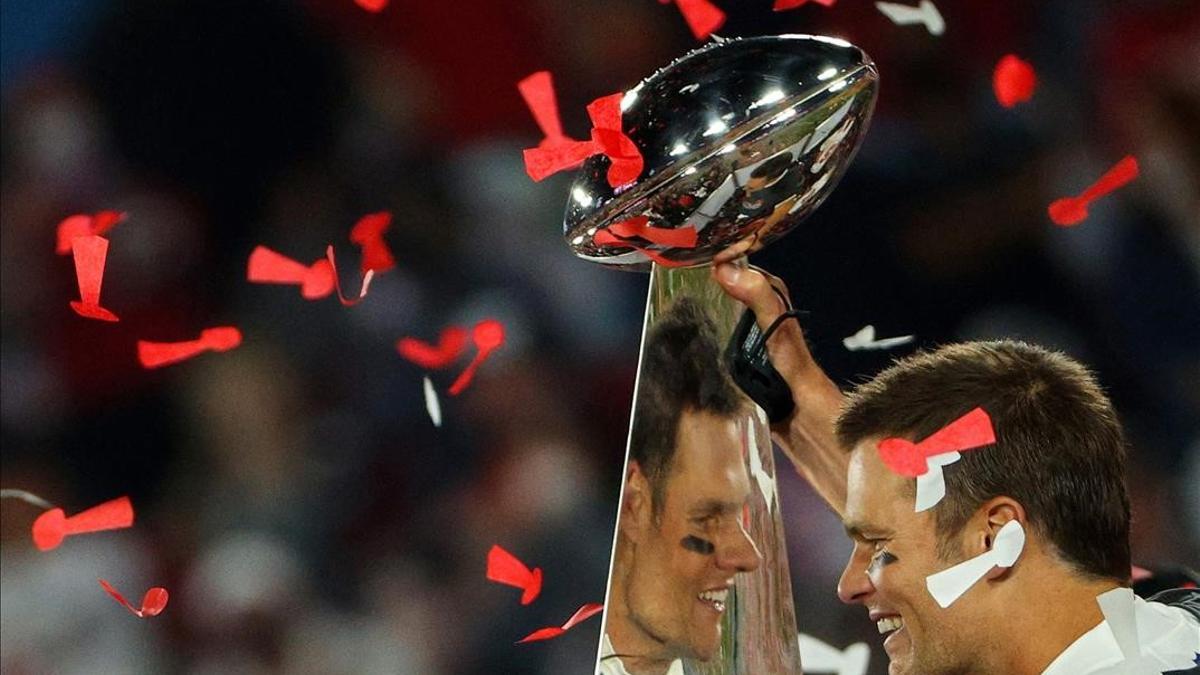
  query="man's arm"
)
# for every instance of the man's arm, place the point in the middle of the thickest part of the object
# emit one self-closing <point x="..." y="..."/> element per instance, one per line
<point x="807" y="435"/>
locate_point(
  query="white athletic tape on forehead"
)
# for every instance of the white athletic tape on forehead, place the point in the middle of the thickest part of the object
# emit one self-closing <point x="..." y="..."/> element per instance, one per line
<point x="1152" y="637"/>
<point x="931" y="485"/>
<point x="949" y="584"/>
<point x="819" y="657"/>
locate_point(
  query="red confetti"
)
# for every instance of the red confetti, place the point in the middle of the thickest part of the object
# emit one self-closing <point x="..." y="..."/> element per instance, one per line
<point x="781" y="5"/>
<point x="556" y="152"/>
<point x="1013" y="81"/>
<point x="337" y="284"/>
<point x="153" y="603"/>
<point x="487" y="335"/>
<point x="605" y="113"/>
<point x="606" y="238"/>
<point x="970" y="431"/>
<point x="90" y="252"/>
<point x="269" y="267"/>
<point x="449" y="347"/>
<point x="158" y="354"/>
<point x="374" y="6"/>
<point x="702" y="16"/>
<point x="81" y="225"/>
<point x="503" y="567"/>
<point x="1072" y="210"/>
<point x="368" y="233"/>
<point x="582" y="614"/>
<point x="53" y="526"/>
<point x="639" y="226"/>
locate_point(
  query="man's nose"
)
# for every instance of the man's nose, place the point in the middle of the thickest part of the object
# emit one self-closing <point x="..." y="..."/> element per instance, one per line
<point x="855" y="586"/>
<point x="741" y="554"/>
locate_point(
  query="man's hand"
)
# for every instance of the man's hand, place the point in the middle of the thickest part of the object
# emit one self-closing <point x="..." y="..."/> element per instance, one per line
<point x="807" y="436"/>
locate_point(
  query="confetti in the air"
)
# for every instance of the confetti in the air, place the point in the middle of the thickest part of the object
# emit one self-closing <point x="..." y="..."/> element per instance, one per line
<point x="819" y="657"/>
<point x="949" y="584"/>
<point x="702" y="16"/>
<point x="504" y="567"/>
<point x="25" y="496"/>
<point x="1151" y="641"/>
<point x="781" y="5"/>
<point x="432" y="405"/>
<point x="1073" y="210"/>
<point x="81" y="225"/>
<point x="925" y="14"/>
<point x="1013" y="81"/>
<point x="582" y="614"/>
<point x="90" y="253"/>
<point x="374" y="6"/>
<point x="488" y="336"/>
<point x="450" y="346"/>
<point x="53" y="526"/>
<point x="605" y="113"/>
<point x="337" y="284"/>
<point x="865" y="339"/>
<point x="153" y="603"/>
<point x="269" y="267"/>
<point x="216" y="339"/>
<point x="557" y="152"/>
<point x="368" y="233"/>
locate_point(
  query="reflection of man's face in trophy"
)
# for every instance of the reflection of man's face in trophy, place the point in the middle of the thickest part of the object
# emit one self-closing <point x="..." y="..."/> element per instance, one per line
<point x="681" y="541"/>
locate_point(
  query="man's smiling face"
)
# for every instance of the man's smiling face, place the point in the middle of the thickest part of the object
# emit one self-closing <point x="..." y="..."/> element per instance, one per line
<point x="895" y="548"/>
<point x="686" y="562"/>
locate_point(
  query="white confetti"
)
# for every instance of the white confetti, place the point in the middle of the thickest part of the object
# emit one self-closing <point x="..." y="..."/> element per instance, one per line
<point x="949" y="584"/>
<point x="926" y="13"/>
<point x="432" y="404"/>
<point x="819" y="657"/>
<point x="865" y="339"/>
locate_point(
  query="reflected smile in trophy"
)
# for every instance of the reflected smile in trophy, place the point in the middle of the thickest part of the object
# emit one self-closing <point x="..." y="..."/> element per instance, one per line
<point x="681" y="540"/>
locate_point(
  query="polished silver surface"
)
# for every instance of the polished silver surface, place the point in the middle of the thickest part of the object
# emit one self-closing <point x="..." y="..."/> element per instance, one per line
<point x="742" y="139"/>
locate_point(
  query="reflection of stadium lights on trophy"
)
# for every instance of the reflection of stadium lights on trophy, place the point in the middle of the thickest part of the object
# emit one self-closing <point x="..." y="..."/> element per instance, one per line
<point x="584" y="199"/>
<point x="716" y="127"/>
<point x="732" y="135"/>
<point x="773" y="96"/>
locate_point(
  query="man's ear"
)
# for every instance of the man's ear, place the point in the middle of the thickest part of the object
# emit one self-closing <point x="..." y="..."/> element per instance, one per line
<point x="991" y="516"/>
<point x="636" y="503"/>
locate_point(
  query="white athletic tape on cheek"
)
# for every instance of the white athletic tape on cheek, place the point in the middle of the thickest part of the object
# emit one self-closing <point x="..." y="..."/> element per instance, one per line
<point x="1153" y="638"/>
<point x="931" y="485"/>
<point x="949" y="584"/>
<point x="819" y="657"/>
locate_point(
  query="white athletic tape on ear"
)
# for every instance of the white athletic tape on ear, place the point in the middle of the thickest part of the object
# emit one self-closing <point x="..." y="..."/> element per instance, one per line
<point x="818" y="657"/>
<point x="949" y="584"/>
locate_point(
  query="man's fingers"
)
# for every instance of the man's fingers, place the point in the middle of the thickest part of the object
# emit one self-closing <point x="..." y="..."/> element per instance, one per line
<point x="751" y="288"/>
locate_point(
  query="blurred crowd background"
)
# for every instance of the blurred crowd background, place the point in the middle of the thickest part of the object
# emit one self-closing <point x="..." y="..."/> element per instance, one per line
<point x="293" y="495"/>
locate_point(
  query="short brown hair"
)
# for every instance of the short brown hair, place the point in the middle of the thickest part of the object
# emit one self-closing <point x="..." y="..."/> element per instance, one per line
<point x="1059" y="447"/>
<point x="681" y="369"/>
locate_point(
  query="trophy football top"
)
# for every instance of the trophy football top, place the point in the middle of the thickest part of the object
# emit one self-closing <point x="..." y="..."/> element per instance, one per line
<point x="741" y="139"/>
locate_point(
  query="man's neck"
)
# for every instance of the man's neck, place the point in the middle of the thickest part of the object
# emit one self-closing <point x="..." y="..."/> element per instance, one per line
<point x="1051" y="613"/>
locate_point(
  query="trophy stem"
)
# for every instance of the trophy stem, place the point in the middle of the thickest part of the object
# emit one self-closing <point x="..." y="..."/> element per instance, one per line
<point x="759" y="633"/>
